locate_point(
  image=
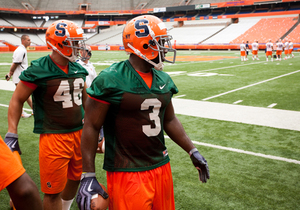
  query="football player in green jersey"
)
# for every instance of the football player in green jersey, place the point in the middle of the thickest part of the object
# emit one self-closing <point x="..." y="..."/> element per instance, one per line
<point x="57" y="85"/>
<point x="133" y="101"/>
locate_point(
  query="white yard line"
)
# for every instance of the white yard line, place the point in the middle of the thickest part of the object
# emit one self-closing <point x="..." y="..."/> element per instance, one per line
<point x="245" y="152"/>
<point x="241" y="88"/>
<point x="272" y="105"/>
<point x="225" y="67"/>
<point x="237" y="102"/>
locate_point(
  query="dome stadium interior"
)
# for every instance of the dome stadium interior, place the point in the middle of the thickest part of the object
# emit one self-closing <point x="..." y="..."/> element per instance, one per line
<point x="190" y="22"/>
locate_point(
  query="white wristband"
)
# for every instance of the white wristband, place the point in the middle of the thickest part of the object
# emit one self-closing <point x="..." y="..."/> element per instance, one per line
<point x="88" y="174"/>
<point x="192" y="151"/>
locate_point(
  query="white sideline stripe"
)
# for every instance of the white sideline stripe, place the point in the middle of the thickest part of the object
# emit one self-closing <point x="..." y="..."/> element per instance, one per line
<point x="262" y="116"/>
<point x="250" y="85"/>
<point x="245" y="152"/>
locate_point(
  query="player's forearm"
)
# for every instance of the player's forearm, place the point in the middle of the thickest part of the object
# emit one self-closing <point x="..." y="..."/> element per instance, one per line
<point x="13" y="68"/>
<point x="176" y="132"/>
<point x="89" y="143"/>
<point x="14" y="114"/>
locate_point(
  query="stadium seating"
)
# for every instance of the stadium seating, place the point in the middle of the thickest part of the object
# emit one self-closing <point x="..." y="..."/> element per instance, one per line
<point x="233" y="31"/>
<point x="267" y="28"/>
<point x="109" y="36"/>
<point x="4" y="23"/>
<point x="294" y="36"/>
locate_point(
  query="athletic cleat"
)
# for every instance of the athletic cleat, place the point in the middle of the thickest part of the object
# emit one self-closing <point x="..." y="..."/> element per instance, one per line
<point x="25" y="115"/>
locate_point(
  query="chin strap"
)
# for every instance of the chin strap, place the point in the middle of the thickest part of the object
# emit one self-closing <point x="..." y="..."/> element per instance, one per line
<point x="158" y="66"/>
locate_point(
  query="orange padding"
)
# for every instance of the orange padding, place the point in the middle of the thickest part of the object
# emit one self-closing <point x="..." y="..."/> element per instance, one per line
<point x="4" y="48"/>
<point x="262" y="46"/>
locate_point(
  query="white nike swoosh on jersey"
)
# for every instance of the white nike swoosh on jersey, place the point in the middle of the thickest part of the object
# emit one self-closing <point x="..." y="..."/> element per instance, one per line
<point x="89" y="188"/>
<point x="75" y="72"/>
<point x="161" y="87"/>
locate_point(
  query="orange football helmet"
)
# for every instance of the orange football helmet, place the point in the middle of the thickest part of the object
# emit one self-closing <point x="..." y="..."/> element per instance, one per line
<point x="66" y="38"/>
<point x="146" y="36"/>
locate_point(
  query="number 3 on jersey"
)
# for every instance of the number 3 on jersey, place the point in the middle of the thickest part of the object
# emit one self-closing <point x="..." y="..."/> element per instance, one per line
<point x="63" y="93"/>
<point x="154" y="115"/>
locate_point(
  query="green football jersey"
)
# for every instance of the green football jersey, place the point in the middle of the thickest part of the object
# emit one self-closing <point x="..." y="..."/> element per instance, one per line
<point x="133" y="127"/>
<point x="57" y="100"/>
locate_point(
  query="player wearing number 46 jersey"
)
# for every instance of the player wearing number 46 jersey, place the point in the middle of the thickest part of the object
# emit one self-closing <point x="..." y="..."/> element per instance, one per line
<point x="57" y="85"/>
<point x="133" y="100"/>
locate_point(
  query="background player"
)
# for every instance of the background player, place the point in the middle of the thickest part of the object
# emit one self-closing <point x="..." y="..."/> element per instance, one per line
<point x="57" y="85"/>
<point x="247" y="49"/>
<point x="269" y="50"/>
<point x="86" y="55"/>
<point x="286" y="49"/>
<point x="20" y="63"/>
<point x="255" y="47"/>
<point x="21" y="188"/>
<point x="291" y="48"/>
<point x="243" y="51"/>
<point x="279" y="48"/>
<point x="133" y="100"/>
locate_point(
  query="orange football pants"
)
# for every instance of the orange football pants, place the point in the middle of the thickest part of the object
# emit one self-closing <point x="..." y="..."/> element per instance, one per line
<point x="147" y="190"/>
<point x="269" y="53"/>
<point x="254" y="52"/>
<point x="10" y="168"/>
<point x="60" y="160"/>
<point x="243" y="53"/>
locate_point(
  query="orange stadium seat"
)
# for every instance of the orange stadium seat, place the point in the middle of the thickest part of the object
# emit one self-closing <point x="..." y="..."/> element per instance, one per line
<point x="294" y="36"/>
<point x="267" y="28"/>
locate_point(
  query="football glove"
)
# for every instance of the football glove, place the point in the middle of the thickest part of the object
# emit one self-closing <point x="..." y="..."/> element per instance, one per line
<point x="201" y="164"/>
<point x="89" y="186"/>
<point x="11" y="140"/>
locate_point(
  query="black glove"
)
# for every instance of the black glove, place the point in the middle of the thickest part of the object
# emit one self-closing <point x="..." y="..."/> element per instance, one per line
<point x="11" y="140"/>
<point x="201" y="164"/>
<point x="89" y="186"/>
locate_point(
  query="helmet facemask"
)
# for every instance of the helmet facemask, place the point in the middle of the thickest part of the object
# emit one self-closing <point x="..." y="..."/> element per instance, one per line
<point x="161" y="44"/>
<point x="163" y="47"/>
<point x="76" y="44"/>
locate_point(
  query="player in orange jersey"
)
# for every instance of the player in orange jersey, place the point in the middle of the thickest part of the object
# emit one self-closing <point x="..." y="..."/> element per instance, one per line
<point x="21" y="188"/>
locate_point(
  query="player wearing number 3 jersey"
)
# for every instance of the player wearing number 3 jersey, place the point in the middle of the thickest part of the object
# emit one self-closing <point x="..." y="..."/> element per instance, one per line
<point x="132" y="99"/>
<point x="57" y="85"/>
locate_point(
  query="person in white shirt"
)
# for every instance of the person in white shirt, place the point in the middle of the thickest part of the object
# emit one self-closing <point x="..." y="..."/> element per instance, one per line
<point x="88" y="65"/>
<point x="279" y="48"/>
<point x="20" y="63"/>
<point x="255" y="47"/>
<point x="243" y="51"/>
<point x="85" y="63"/>
<point x="291" y="47"/>
<point x="269" y="50"/>
<point x="286" y="49"/>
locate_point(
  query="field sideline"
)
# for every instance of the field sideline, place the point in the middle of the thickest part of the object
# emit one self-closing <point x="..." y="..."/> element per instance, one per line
<point x="244" y="117"/>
